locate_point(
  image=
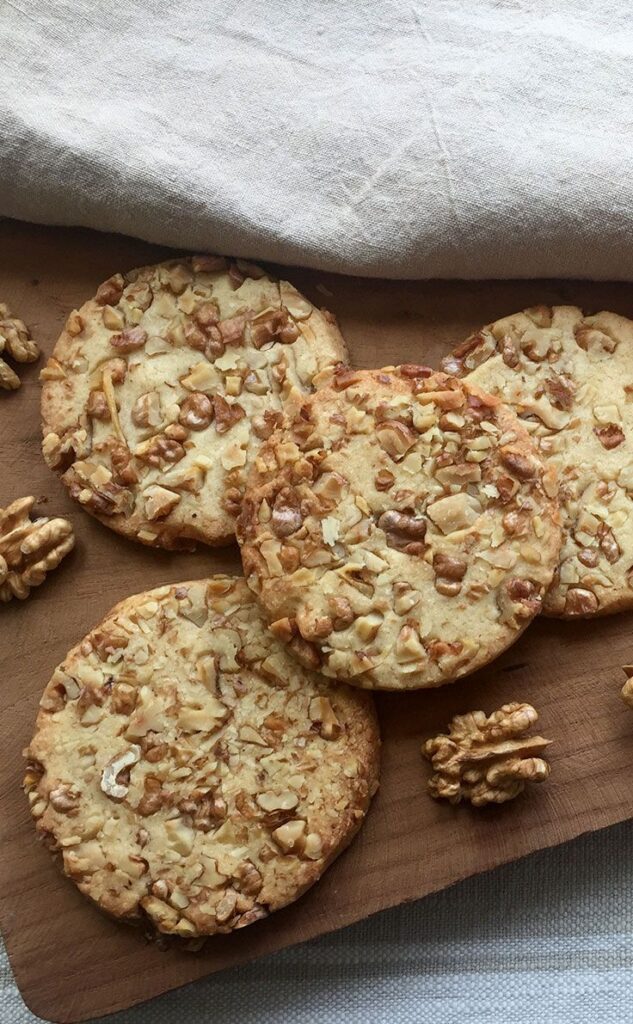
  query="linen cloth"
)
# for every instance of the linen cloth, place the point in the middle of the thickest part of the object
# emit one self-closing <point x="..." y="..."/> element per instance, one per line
<point x="461" y="138"/>
<point x="548" y="939"/>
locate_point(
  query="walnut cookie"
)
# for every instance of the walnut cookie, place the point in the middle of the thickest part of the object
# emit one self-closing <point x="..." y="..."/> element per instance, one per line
<point x="188" y="772"/>
<point x="569" y="378"/>
<point x="402" y="530"/>
<point x="161" y="388"/>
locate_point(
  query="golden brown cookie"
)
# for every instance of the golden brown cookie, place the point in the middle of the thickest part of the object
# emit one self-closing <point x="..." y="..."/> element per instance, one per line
<point x="189" y="773"/>
<point x="401" y="530"/>
<point x="162" y="387"/>
<point x="569" y="378"/>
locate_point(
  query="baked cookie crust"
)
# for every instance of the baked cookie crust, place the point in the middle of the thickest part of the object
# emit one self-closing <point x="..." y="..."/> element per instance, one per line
<point x="569" y="378"/>
<point x="162" y="387"/>
<point x="187" y="772"/>
<point x="401" y="530"/>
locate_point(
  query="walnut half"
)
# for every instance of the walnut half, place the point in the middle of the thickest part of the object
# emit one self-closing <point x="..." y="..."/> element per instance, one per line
<point x="29" y="549"/>
<point x="487" y="759"/>
<point x="15" y="341"/>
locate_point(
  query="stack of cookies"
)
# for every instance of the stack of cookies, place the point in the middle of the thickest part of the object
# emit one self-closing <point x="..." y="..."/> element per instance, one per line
<point x="203" y="755"/>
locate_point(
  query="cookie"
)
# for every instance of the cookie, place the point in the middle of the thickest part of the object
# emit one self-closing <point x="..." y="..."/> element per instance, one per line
<point x="189" y="773"/>
<point x="569" y="378"/>
<point x="162" y="387"/>
<point x="401" y="530"/>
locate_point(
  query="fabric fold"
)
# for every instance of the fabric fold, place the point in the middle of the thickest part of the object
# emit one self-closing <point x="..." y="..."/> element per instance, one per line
<point x="481" y="139"/>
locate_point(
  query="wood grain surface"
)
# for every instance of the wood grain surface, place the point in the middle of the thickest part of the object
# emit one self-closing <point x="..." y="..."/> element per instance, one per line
<point x="70" y="961"/>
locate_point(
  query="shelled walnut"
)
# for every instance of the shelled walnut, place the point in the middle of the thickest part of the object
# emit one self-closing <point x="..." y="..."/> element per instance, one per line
<point x="16" y="341"/>
<point x="487" y="759"/>
<point x="29" y="548"/>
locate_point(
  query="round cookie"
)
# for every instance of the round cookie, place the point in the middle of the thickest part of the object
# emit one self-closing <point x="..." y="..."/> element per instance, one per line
<point x="401" y="531"/>
<point x="190" y="774"/>
<point x="569" y="378"/>
<point x="161" y="388"/>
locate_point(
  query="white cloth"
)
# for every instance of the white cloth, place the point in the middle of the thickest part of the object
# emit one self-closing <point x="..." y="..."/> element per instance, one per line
<point x="462" y="138"/>
<point x="546" y="939"/>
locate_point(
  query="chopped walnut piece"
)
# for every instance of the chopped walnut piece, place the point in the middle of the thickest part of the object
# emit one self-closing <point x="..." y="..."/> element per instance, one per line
<point x="384" y="480"/>
<point x="226" y="415"/>
<point x="404" y="532"/>
<point x="123" y="469"/>
<point x="264" y="424"/>
<point x="129" y="340"/>
<point x="487" y="759"/>
<point x="98" y="407"/>
<point x="196" y="411"/>
<point x="520" y="465"/>
<point x="610" y="435"/>
<point x="160" y="450"/>
<point x="561" y="390"/>
<point x="65" y="800"/>
<point x="207" y="263"/>
<point x="396" y="438"/>
<point x="110" y="292"/>
<point x="286" y="520"/>
<point x="232" y="330"/>
<point x="110" y="783"/>
<point x="29" y="548"/>
<point x="273" y="325"/>
<point x="455" y="512"/>
<point x="580" y="601"/>
<point x="159" y="501"/>
<point x="322" y="712"/>
<point x="15" y="341"/>
<point x="291" y="836"/>
<point x="146" y="410"/>
<point x="450" y="567"/>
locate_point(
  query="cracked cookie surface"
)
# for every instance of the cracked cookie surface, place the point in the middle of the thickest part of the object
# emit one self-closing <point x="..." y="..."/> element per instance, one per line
<point x="401" y="530"/>
<point x="161" y="388"/>
<point x="569" y="378"/>
<point x="188" y="772"/>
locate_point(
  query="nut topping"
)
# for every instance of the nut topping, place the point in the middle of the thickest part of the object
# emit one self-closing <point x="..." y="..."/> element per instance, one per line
<point x="401" y="529"/>
<point x="286" y="520"/>
<point x="178" y="363"/>
<point x="322" y="712"/>
<point x="408" y="576"/>
<point x="129" y="340"/>
<point x="580" y="601"/>
<point x="610" y="435"/>
<point x="109" y="777"/>
<point x="395" y="437"/>
<point x="184" y="786"/>
<point x="109" y="293"/>
<point x="568" y="376"/>
<point x="196" y="412"/>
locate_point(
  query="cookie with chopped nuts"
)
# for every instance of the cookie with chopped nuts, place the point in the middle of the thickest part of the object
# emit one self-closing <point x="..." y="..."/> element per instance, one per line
<point x="161" y="388"/>
<point x="187" y="772"/>
<point x="401" y="529"/>
<point x="569" y="378"/>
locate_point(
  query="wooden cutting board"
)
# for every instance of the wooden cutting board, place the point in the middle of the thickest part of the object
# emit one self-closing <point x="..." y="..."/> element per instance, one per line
<point x="70" y="961"/>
